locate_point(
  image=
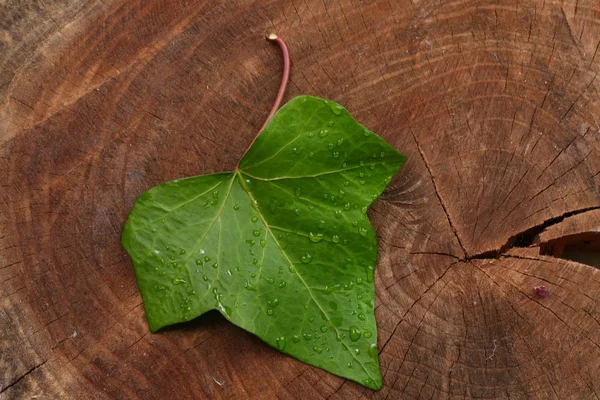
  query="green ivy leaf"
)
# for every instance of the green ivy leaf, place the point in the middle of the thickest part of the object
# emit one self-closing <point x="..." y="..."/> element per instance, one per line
<point x="282" y="246"/>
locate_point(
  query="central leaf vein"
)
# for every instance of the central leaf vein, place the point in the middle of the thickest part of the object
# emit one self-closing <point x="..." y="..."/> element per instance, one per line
<point x="284" y="254"/>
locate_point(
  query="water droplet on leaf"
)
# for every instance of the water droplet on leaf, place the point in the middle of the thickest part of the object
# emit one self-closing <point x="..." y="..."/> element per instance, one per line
<point x="315" y="237"/>
<point x="355" y="333"/>
<point x="306" y="258"/>
<point x="280" y="343"/>
<point x="178" y="281"/>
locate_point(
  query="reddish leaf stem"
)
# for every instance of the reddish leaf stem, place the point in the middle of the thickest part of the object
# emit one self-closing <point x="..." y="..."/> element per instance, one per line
<point x="285" y="76"/>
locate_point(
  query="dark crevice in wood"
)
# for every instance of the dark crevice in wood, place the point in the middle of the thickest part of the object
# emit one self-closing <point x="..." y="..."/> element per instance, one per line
<point x="526" y="238"/>
<point x="435" y="189"/>
<point x="583" y="248"/>
<point x="20" y="378"/>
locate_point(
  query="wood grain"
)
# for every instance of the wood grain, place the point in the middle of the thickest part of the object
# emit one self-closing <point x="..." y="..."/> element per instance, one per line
<point x="496" y="104"/>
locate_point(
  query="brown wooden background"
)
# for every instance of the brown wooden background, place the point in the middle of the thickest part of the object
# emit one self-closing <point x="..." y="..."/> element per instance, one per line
<point x="496" y="103"/>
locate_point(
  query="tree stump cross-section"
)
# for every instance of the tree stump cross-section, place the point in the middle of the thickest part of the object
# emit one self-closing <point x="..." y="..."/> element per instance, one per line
<point x="495" y="103"/>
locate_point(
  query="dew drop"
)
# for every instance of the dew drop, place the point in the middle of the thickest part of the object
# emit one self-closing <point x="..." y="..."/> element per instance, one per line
<point x="335" y="239"/>
<point x="369" y="270"/>
<point x="249" y="286"/>
<point x="337" y="110"/>
<point x="364" y="210"/>
<point x="307" y="336"/>
<point x="336" y="154"/>
<point x="227" y="310"/>
<point x="182" y="252"/>
<point x="373" y="350"/>
<point x="354" y="333"/>
<point x="339" y="337"/>
<point x="367" y="334"/>
<point x="366" y="133"/>
<point x="282" y="284"/>
<point x="206" y="258"/>
<point x="263" y="243"/>
<point x="382" y="154"/>
<point x="271" y="280"/>
<point x="330" y="146"/>
<point x="254" y="219"/>
<point x="311" y="319"/>
<point x="359" y="281"/>
<point x="321" y="224"/>
<point x="292" y="269"/>
<point x="215" y="265"/>
<point x="324" y="329"/>
<point x="315" y="237"/>
<point x="330" y="123"/>
<point x="372" y="166"/>
<point x="236" y="207"/>
<point x="297" y="150"/>
<point x="178" y="281"/>
<point x="355" y="223"/>
<point x="269" y="312"/>
<point x="280" y="343"/>
<point x="362" y="318"/>
<point x="273" y="303"/>
<point x="295" y="338"/>
<point x="347" y="206"/>
<point x="318" y="349"/>
<point x="199" y="261"/>
<point x="254" y="261"/>
<point x="298" y="191"/>
<point x="338" y="214"/>
<point x="346" y="183"/>
<point x="362" y="232"/>
<point x="256" y="233"/>
<point x="205" y="278"/>
<point x="323" y="133"/>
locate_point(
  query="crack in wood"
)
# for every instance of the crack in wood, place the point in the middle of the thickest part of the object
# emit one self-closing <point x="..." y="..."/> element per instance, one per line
<point x="526" y="238"/>
<point x="20" y="378"/>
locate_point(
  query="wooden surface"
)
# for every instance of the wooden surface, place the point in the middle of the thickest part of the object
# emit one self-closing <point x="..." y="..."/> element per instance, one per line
<point x="496" y="104"/>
